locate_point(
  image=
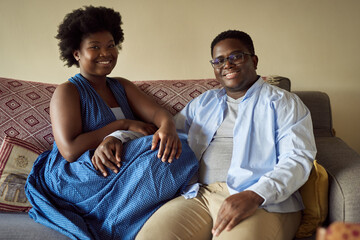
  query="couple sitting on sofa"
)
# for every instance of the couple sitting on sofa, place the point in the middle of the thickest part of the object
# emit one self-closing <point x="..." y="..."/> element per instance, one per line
<point x="248" y="148"/>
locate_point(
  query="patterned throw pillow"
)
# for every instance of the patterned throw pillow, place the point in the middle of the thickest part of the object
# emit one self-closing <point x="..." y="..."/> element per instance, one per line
<point x="24" y="111"/>
<point x="16" y="160"/>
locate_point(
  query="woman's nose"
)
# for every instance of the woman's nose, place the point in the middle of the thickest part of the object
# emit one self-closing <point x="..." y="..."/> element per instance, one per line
<point x="104" y="52"/>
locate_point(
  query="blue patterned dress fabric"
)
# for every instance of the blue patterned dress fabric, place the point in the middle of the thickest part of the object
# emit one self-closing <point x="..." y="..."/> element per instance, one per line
<point x="76" y="200"/>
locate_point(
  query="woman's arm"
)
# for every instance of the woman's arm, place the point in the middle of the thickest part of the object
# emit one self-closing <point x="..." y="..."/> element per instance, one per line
<point x="65" y="114"/>
<point x="149" y="111"/>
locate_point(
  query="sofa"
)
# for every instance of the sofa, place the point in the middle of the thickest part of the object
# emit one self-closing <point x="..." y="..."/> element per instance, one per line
<point x="25" y="124"/>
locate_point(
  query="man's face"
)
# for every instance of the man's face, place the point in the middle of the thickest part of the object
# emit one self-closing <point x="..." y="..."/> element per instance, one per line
<point x="235" y="78"/>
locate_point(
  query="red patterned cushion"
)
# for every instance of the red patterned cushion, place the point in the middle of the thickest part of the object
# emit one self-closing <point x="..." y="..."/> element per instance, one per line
<point x="175" y="94"/>
<point x="24" y="111"/>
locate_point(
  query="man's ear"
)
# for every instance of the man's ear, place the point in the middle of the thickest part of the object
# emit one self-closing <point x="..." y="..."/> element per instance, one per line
<point x="255" y="60"/>
<point x="76" y="55"/>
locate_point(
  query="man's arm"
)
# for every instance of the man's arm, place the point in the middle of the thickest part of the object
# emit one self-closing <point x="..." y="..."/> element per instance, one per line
<point x="296" y="150"/>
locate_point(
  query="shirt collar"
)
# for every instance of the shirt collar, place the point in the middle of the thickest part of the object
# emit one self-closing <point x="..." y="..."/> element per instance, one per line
<point x="254" y="87"/>
<point x="222" y="93"/>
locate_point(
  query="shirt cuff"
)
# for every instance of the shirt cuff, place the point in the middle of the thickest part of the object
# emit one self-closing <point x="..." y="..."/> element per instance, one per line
<point x="191" y="191"/>
<point x="258" y="189"/>
<point x="125" y="136"/>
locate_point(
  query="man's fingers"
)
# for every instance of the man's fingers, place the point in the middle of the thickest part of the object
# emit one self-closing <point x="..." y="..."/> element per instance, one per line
<point x="221" y="226"/>
<point x="232" y="224"/>
<point x="218" y="221"/>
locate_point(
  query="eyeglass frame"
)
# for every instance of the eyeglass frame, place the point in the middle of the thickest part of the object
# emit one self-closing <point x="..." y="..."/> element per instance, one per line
<point x="227" y="59"/>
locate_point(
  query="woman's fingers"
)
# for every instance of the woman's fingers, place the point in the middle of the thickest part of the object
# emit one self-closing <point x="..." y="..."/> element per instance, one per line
<point x="179" y="149"/>
<point x="169" y="148"/>
<point x="108" y="155"/>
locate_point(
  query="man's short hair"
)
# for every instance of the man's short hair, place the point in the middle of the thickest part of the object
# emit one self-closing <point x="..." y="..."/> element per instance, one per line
<point x="235" y="34"/>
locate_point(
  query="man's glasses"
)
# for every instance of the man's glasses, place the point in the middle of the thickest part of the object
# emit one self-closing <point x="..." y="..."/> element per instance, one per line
<point x="235" y="58"/>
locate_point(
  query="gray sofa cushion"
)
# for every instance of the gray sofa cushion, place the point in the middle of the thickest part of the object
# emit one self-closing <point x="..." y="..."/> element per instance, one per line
<point x="21" y="226"/>
<point x="342" y="164"/>
<point x="319" y="106"/>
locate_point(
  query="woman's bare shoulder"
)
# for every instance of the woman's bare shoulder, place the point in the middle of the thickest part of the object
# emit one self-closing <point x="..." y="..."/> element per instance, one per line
<point x="66" y="89"/>
<point x="122" y="80"/>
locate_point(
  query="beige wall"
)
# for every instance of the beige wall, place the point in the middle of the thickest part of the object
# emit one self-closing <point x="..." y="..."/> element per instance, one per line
<point x="314" y="43"/>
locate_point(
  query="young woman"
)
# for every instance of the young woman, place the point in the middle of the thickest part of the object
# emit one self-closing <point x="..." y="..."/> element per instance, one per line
<point x="109" y="192"/>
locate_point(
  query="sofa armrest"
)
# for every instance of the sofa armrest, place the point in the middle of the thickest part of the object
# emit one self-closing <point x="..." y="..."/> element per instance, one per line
<point x="342" y="164"/>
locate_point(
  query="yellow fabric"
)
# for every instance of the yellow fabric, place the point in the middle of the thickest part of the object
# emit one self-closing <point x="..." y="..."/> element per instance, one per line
<point x="314" y="194"/>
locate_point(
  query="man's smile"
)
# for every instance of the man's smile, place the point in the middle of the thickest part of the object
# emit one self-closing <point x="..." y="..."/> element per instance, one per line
<point x="230" y="74"/>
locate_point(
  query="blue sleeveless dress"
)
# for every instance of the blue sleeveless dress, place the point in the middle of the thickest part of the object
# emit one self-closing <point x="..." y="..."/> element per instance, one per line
<point x="76" y="200"/>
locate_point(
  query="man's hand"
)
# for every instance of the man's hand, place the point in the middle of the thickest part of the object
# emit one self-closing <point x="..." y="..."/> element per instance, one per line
<point x="234" y="209"/>
<point x="107" y="154"/>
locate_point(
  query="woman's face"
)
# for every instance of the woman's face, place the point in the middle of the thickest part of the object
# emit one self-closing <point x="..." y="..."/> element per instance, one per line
<point x="97" y="55"/>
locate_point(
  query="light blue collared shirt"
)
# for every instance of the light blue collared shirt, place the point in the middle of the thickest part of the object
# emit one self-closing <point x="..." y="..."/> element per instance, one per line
<point x="273" y="144"/>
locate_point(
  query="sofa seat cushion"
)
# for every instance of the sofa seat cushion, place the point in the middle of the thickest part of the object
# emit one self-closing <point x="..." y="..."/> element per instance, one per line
<point x="20" y="226"/>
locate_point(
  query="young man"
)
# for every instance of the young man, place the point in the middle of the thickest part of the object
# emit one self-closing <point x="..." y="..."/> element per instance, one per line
<point x="256" y="146"/>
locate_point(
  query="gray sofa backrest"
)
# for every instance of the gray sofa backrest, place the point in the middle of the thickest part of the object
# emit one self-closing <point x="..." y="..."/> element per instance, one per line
<point x="319" y="106"/>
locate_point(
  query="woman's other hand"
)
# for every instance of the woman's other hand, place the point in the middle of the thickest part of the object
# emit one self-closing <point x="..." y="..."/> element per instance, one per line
<point x="170" y="144"/>
<point x="149" y="111"/>
<point x="108" y="154"/>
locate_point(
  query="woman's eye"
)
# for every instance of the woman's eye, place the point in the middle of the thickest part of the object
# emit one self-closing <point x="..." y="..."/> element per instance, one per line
<point x="94" y="47"/>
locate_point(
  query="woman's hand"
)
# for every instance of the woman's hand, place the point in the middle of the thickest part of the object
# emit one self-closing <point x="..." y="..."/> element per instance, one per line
<point x="170" y="144"/>
<point x="108" y="154"/>
<point x="149" y="111"/>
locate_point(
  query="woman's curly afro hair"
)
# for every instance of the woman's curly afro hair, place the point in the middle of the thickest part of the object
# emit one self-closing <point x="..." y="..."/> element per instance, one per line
<point x="81" y="22"/>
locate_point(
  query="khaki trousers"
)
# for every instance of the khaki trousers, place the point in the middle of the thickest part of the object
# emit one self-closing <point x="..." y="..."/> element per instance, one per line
<point x="183" y="219"/>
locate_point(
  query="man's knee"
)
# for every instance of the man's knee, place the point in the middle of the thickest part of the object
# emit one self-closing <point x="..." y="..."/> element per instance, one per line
<point x="180" y="218"/>
<point x="264" y="225"/>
